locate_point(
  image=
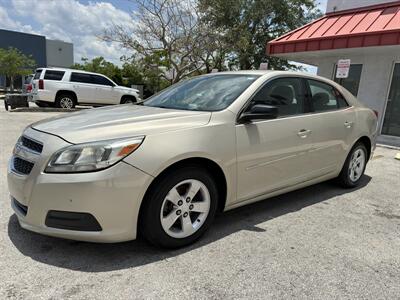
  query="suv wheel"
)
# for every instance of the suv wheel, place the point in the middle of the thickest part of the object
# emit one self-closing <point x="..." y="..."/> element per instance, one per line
<point x="125" y="100"/>
<point x="180" y="209"/>
<point x="354" y="167"/>
<point x="65" y="101"/>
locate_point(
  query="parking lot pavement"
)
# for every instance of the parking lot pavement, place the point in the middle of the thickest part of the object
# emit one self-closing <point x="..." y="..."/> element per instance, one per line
<point x="321" y="242"/>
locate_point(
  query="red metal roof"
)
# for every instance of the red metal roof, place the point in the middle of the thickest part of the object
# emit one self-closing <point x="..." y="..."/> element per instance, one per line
<point x="377" y="25"/>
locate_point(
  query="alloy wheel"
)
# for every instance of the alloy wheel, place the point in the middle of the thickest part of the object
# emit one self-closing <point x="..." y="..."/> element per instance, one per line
<point x="357" y="164"/>
<point x="67" y="103"/>
<point x="185" y="208"/>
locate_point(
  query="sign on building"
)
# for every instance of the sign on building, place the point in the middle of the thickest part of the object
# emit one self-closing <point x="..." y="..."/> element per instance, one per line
<point x="264" y="66"/>
<point x="343" y="68"/>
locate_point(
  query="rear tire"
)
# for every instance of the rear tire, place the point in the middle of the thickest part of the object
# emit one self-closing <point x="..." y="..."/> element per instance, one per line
<point x="66" y="101"/>
<point x="354" y="166"/>
<point x="180" y="208"/>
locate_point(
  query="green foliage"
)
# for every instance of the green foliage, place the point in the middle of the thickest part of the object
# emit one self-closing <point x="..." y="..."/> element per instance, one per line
<point x="14" y="63"/>
<point x="247" y="25"/>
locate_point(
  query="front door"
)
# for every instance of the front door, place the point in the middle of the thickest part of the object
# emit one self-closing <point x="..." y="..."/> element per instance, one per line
<point x="273" y="154"/>
<point x="391" y="123"/>
<point x="104" y="90"/>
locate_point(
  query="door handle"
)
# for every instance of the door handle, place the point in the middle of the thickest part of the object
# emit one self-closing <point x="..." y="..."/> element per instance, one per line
<point x="304" y="133"/>
<point x="348" y="124"/>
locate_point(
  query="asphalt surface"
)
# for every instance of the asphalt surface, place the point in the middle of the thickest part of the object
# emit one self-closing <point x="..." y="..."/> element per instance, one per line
<point x="321" y="242"/>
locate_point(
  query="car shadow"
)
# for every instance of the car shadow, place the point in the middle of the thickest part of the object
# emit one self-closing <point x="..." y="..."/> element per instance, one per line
<point x="92" y="257"/>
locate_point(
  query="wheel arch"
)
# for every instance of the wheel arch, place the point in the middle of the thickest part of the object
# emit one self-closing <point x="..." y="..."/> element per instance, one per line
<point x="214" y="169"/>
<point x="129" y="97"/>
<point x="72" y="93"/>
<point x="367" y="143"/>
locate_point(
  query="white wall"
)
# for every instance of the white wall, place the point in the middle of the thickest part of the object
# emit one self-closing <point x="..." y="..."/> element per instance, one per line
<point x="349" y="4"/>
<point x="59" y="54"/>
<point x="375" y="77"/>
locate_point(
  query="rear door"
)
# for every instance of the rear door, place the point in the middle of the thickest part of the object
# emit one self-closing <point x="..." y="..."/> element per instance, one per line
<point x="273" y="154"/>
<point x="332" y="127"/>
<point x="83" y="87"/>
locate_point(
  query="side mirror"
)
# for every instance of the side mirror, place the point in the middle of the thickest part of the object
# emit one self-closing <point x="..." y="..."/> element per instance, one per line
<point x="259" y="112"/>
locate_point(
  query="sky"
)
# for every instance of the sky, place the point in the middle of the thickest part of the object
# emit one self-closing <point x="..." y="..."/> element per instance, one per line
<point x="77" y="21"/>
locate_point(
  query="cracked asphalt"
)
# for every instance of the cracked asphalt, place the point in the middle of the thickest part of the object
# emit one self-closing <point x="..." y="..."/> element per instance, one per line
<point x="321" y="242"/>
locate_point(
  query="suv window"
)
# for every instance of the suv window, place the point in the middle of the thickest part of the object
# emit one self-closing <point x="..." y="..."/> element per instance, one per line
<point x="325" y="97"/>
<point x="81" y="77"/>
<point x="285" y="93"/>
<point x="96" y="79"/>
<point x="37" y="74"/>
<point x="53" y="75"/>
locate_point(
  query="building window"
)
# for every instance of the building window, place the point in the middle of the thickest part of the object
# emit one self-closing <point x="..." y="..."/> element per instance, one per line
<point x="352" y="82"/>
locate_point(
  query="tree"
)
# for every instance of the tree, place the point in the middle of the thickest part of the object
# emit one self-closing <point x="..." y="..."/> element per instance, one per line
<point x="168" y="30"/>
<point x="247" y="26"/>
<point x="14" y="63"/>
<point x="102" y="66"/>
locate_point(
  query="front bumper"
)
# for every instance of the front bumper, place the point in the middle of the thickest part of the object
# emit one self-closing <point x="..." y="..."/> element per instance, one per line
<point x="112" y="196"/>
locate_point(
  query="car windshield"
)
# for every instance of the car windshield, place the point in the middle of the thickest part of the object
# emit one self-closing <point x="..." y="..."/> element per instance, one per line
<point x="203" y="93"/>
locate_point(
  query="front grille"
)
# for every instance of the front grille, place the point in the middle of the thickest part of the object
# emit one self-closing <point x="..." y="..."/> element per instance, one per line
<point x="21" y="208"/>
<point x="31" y="144"/>
<point x="22" y="166"/>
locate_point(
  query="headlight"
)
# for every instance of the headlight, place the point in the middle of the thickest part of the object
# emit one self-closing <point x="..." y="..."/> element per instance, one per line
<point x="92" y="156"/>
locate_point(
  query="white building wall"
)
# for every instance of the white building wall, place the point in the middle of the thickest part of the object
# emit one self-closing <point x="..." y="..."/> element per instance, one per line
<point x="59" y="54"/>
<point x="375" y="78"/>
<point x="337" y="5"/>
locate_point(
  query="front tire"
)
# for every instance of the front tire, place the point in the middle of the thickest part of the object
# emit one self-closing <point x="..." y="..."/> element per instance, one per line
<point x="180" y="208"/>
<point x="354" y="167"/>
<point x="127" y="99"/>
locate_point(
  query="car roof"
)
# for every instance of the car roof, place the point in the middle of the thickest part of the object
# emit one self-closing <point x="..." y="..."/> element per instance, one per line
<point x="266" y="72"/>
<point x="68" y="69"/>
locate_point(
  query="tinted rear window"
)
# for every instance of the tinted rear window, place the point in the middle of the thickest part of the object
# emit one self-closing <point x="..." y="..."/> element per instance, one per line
<point x="53" y="75"/>
<point x="81" y="77"/>
<point x="37" y="74"/>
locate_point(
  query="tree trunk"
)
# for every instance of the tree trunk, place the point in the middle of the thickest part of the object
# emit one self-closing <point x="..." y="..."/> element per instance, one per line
<point x="12" y="84"/>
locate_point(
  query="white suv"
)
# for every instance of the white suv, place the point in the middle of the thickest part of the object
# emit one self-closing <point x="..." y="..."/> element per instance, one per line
<point x="66" y="88"/>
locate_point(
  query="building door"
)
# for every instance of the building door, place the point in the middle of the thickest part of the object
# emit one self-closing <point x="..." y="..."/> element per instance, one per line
<point x="391" y="123"/>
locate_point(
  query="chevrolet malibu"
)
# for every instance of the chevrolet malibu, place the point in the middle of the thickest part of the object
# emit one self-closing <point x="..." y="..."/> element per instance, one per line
<point x="165" y="168"/>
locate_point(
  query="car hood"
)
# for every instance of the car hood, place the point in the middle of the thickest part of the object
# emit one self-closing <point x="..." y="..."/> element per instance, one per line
<point x="120" y="121"/>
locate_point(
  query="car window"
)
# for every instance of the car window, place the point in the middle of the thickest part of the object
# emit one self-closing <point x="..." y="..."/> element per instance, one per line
<point x="53" y="75"/>
<point x="325" y="97"/>
<point x="81" y="77"/>
<point x="96" y="79"/>
<point x="37" y="74"/>
<point x="203" y="93"/>
<point x="286" y="94"/>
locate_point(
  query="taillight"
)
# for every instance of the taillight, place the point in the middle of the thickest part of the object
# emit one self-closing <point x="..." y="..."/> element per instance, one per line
<point x="41" y="84"/>
<point x="376" y="114"/>
<point x="29" y="88"/>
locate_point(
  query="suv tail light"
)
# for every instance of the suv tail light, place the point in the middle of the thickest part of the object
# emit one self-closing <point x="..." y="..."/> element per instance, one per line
<point x="41" y="84"/>
<point x="376" y="113"/>
<point x="29" y="88"/>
